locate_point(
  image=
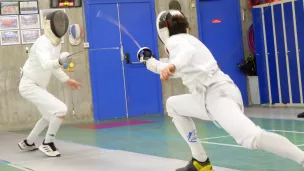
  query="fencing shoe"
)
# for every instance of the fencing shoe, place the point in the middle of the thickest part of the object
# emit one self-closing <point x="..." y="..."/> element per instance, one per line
<point x="24" y="145"/>
<point x="301" y="115"/>
<point x="195" y="165"/>
<point x="49" y="149"/>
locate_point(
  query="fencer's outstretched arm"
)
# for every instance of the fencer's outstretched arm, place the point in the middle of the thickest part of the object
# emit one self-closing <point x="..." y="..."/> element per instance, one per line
<point x="181" y="52"/>
<point x="43" y="54"/>
<point x="155" y="65"/>
<point x="60" y="75"/>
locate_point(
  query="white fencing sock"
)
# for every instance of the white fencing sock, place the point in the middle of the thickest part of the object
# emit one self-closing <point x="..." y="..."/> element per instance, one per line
<point x="280" y="146"/>
<point x="186" y="128"/>
<point x="54" y="126"/>
<point x="39" y="127"/>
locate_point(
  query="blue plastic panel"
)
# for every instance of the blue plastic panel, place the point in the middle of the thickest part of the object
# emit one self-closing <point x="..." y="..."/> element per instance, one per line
<point x="292" y="52"/>
<point x="281" y="53"/>
<point x="260" y="54"/>
<point x="271" y="55"/>
<point x="300" y="28"/>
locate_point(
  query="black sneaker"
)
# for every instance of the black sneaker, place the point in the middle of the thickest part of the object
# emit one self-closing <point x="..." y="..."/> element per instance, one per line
<point x="49" y="149"/>
<point x="301" y="115"/>
<point x="195" y="165"/>
<point x="24" y="145"/>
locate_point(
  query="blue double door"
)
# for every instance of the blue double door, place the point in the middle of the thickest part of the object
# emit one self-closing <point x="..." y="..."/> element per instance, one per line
<point x="122" y="88"/>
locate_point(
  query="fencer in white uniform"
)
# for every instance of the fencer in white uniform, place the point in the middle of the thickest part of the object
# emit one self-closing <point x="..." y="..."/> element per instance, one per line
<point x="45" y="60"/>
<point x="213" y="95"/>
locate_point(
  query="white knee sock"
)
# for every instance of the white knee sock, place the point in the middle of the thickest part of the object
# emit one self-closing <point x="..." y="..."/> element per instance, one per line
<point x="187" y="129"/>
<point x="54" y="126"/>
<point x="280" y="146"/>
<point x="39" y="127"/>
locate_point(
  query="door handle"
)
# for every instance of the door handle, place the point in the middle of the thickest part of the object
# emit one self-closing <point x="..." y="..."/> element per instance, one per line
<point x="136" y="63"/>
<point x="128" y="60"/>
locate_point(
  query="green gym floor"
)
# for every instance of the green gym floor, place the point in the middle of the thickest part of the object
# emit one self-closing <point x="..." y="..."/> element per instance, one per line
<point x="153" y="139"/>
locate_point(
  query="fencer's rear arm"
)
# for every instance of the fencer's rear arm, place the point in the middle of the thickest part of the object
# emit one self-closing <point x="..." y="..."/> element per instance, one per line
<point x="43" y="54"/>
<point x="60" y="75"/>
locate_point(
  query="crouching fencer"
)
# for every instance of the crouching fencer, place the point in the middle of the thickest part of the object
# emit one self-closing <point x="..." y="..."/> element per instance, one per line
<point x="45" y="60"/>
<point x="214" y="96"/>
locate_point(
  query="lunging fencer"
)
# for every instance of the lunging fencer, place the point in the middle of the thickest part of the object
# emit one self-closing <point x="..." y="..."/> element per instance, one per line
<point x="45" y="60"/>
<point x="213" y="95"/>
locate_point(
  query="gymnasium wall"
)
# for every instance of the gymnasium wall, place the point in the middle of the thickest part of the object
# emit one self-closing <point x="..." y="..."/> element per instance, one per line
<point x="246" y="22"/>
<point x="16" y="112"/>
<point x="175" y="86"/>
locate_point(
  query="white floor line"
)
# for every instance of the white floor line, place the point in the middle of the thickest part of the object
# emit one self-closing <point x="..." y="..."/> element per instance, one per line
<point x="221" y="144"/>
<point x="54" y="158"/>
<point x="301" y="145"/>
<point x="214" y="137"/>
<point x="19" y="167"/>
<point x="296" y="132"/>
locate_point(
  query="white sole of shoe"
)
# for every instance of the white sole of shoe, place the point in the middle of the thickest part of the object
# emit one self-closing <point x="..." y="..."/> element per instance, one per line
<point x="34" y="149"/>
<point x="53" y="154"/>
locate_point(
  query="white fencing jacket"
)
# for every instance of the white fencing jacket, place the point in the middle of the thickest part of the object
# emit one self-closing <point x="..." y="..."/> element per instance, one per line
<point x="43" y="62"/>
<point x="193" y="61"/>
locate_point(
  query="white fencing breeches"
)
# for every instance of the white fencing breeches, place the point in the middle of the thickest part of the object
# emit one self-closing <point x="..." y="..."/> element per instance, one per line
<point x="47" y="104"/>
<point x="224" y="105"/>
<point x="182" y="108"/>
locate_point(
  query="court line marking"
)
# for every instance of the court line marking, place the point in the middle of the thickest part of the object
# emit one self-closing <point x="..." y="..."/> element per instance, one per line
<point x="222" y="144"/>
<point x="238" y="146"/>
<point x="215" y="137"/>
<point x="232" y="145"/>
<point x="280" y="119"/>
<point x="296" y="132"/>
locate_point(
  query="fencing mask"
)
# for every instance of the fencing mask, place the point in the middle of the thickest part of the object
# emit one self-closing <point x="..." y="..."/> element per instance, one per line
<point x="169" y="23"/>
<point x="56" y="25"/>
